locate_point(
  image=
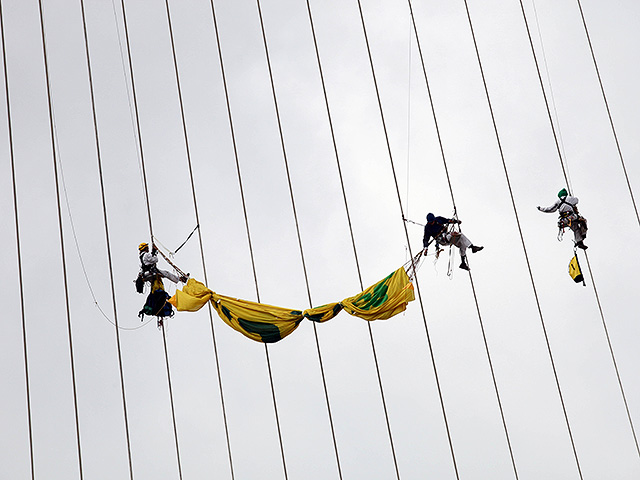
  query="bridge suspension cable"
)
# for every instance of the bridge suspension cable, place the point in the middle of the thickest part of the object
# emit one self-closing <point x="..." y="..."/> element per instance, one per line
<point x="473" y="289"/>
<point x="299" y="237"/>
<point x="107" y="238"/>
<point x="565" y="170"/>
<point x="395" y="179"/>
<point x="148" y="205"/>
<point x="54" y="153"/>
<point x="18" y="242"/>
<point x="197" y="215"/>
<point x="613" y="128"/>
<point x="524" y="247"/>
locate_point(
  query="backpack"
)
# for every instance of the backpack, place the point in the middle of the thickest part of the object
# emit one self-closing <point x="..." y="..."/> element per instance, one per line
<point x="139" y="284"/>
<point x="157" y="305"/>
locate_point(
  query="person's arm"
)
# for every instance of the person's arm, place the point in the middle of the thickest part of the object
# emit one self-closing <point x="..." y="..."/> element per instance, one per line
<point x="425" y="238"/>
<point x="550" y="209"/>
<point x="149" y="259"/>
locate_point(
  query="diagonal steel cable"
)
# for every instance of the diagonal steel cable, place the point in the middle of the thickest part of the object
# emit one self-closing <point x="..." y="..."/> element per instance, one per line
<point x="406" y="232"/>
<point x="61" y="237"/>
<point x="566" y="173"/>
<point x="606" y="104"/>
<point x="18" y="243"/>
<point x="197" y="215"/>
<point x="475" y="297"/>
<point x="107" y="238"/>
<point x="148" y="204"/>
<point x="524" y="247"/>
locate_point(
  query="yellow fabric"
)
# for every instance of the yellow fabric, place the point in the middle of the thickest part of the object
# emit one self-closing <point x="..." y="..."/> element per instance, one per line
<point x="383" y="300"/>
<point x="268" y="324"/>
<point x="157" y="284"/>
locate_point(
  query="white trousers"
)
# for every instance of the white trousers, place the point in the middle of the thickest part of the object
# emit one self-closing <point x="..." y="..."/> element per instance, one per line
<point x="457" y="239"/>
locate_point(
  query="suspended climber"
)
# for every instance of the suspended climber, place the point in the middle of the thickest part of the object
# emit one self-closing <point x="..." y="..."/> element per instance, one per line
<point x="156" y="303"/>
<point x="567" y="207"/>
<point x="438" y="229"/>
<point x="149" y="262"/>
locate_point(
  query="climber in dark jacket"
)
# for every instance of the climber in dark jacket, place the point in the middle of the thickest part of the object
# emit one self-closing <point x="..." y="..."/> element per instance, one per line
<point x="437" y="228"/>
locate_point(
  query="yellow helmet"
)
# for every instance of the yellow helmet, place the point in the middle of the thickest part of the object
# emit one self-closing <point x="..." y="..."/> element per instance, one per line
<point x="143" y="246"/>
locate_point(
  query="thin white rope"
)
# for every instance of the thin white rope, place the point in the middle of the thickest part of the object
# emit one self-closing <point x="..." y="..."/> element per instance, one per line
<point x="73" y="227"/>
<point x="128" y="88"/>
<point x="564" y="157"/>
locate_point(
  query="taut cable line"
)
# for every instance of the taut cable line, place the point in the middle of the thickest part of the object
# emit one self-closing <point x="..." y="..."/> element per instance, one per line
<point x="196" y="212"/>
<point x="613" y="358"/>
<point x="606" y="104"/>
<point x="244" y="206"/>
<point x="136" y="115"/>
<point x="566" y="172"/>
<point x="348" y="215"/>
<point x="18" y="243"/>
<point x="302" y="257"/>
<point x="106" y="231"/>
<point x="475" y="297"/>
<point x="61" y="238"/>
<point x="406" y="232"/>
<point x="137" y="118"/>
<point x="524" y="247"/>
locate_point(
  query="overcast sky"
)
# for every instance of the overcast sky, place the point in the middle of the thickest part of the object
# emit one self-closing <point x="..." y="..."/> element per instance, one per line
<point x="508" y="310"/>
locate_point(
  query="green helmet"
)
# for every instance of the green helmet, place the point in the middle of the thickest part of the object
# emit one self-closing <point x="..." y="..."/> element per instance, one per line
<point x="563" y="193"/>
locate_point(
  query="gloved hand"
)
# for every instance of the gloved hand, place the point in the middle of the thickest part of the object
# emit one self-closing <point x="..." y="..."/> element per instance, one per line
<point x="458" y="222"/>
<point x="154" y="250"/>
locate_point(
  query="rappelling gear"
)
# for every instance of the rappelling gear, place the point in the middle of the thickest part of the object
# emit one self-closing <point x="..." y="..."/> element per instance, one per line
<point x="446" y="231"/>
<point x="149" y="272"/>
<point x="567" y="207"/>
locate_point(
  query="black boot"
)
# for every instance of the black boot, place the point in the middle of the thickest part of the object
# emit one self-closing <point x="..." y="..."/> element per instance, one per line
<point x="464" y="265"/>
<point x="475" y="249"/>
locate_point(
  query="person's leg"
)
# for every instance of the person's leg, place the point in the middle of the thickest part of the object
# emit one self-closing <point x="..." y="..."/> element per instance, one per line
<point x="461" y="241"/>
<point x="174" y="278"/>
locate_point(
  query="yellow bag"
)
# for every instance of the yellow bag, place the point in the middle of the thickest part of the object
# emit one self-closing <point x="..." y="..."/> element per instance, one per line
<point x="574" y="270"/>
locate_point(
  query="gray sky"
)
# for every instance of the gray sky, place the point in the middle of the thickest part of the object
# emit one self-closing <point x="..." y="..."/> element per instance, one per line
<point x="533" y="413"/>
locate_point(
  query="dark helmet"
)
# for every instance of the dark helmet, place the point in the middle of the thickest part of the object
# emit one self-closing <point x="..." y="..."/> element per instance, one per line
<point x="562" y="193"/>
<point x="430" y="217"/>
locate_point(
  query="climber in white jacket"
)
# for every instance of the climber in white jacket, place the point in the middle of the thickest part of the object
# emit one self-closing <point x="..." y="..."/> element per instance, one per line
<point x="567" y="207"/>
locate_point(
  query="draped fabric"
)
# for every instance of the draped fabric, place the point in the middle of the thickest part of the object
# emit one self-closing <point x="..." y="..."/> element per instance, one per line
<point x="268" y="324"/>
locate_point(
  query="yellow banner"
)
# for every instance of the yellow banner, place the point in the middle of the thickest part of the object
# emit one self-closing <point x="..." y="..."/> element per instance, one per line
<point x="268" y="324"/>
